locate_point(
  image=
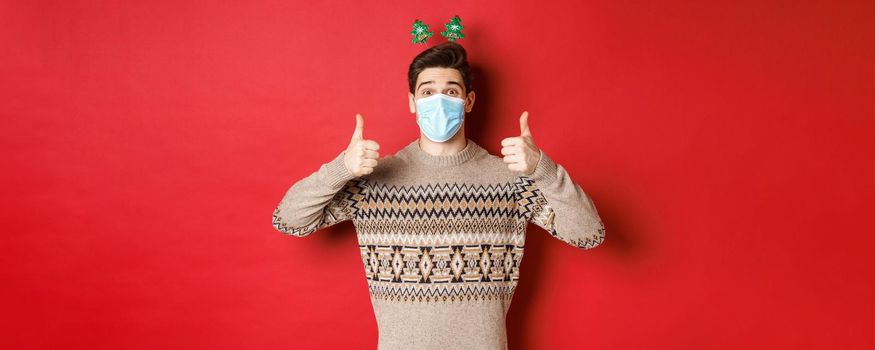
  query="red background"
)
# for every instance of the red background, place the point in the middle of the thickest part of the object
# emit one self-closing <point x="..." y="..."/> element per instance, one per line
<point x="727" y="146"/>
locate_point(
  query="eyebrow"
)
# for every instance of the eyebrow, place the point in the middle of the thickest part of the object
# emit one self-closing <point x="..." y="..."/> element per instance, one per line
<point x="432" y="81"/>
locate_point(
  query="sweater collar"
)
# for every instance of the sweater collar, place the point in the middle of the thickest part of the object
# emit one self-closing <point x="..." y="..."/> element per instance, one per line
<point x="418" y="155"/>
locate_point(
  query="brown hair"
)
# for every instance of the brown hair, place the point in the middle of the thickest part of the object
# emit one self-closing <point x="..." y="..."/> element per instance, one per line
<point x="445" y="55"/>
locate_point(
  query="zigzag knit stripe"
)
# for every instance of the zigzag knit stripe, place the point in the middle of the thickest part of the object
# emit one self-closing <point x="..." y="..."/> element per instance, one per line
<point x="442" y="293"/>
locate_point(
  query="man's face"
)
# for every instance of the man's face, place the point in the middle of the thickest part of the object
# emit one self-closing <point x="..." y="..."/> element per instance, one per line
<point x="447" y="81"/>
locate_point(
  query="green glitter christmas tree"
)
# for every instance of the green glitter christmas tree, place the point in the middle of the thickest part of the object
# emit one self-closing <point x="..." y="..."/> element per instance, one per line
<point x="420" y="32"/>
<point x="454" y="29"/>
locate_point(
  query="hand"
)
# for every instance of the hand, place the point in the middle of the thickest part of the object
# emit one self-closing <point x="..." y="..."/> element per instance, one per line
<point x="361" y="155"/>
<point x="520" y="152"/>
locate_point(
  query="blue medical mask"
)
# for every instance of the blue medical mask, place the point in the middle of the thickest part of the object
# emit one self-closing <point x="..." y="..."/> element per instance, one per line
<point x="440" y="116"/>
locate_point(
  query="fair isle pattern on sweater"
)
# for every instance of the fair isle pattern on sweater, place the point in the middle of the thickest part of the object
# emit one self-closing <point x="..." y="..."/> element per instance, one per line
<point x="425" y="212"/>
<point x="435" y="240"/>
<point x="427" y="266"/>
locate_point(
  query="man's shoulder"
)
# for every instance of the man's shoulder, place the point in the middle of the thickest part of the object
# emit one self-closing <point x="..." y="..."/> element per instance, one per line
<point x="491" y="160"/>
<point x="388" y="165"/>
<point x="493" y="167"/>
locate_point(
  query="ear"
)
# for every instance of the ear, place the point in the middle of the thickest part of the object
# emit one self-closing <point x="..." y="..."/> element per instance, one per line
<point x="411" y="102"/>
<point x="469" y="102"/>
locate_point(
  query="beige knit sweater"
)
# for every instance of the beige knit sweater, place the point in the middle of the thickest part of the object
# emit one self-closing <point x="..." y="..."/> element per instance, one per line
<point x="442" y="237"/>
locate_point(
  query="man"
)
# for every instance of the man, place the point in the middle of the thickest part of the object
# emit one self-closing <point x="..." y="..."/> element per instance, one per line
<point x="441" y="223"/>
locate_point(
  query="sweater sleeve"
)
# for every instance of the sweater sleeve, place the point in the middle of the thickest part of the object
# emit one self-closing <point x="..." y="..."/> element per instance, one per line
<point x="326" y="197"/>
<point x="562" y="208"/>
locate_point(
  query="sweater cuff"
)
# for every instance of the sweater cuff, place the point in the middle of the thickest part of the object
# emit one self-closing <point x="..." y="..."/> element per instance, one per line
<point x="334" y="173"/>
<point x="545" y="170"/>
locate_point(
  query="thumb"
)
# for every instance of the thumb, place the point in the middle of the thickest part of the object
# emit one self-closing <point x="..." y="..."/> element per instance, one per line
<point x="524" y="124"/>
<point x="359" y="127"/>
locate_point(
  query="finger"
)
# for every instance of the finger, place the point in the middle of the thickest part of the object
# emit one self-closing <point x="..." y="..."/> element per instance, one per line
<point x="369" y="154"/>
<point x="510" y="150"/>
<point x="514" y="158"/>
<point x="368" y="163"/>
<point x="359" y="127"/>
<point x="371" y="145"/>
<point x="367" y="170"/>
<point x="524" y="124"/>
<point x="511" y="141"/>
<point x="516" y="167"/>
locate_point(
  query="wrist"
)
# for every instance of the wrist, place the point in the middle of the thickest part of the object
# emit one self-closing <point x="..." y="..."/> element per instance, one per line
<point x="545" y="170"/>
<point x="335" y="173"/>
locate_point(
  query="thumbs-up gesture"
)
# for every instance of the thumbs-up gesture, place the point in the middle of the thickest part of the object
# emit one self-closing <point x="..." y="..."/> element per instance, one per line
<point x="520" y="152"/>
<point x="361" y="155"/>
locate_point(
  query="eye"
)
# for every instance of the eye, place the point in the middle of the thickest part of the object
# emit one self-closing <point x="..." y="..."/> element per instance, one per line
<point x="426" y="92"/>
<point x="452" y="92"/>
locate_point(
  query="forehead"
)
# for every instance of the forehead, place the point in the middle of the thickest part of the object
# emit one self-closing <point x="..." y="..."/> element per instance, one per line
<point x="439" y="75"/>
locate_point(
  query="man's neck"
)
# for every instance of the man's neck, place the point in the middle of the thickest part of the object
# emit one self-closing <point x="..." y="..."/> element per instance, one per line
<point x="452" y="146"/>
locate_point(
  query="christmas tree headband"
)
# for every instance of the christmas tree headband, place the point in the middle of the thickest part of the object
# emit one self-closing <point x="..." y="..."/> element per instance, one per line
<point x="454" y="30"/>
